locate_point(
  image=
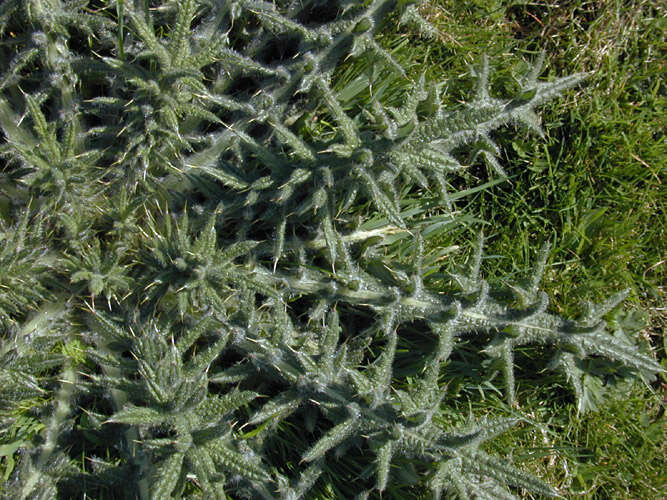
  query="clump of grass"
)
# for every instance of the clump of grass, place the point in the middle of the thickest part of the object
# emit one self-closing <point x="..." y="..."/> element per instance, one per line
<point x="593" y="189"/>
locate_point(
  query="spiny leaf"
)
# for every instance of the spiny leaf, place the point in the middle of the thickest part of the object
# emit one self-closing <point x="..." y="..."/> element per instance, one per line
<point x="135" y="415"/>
<point x="166" y="476"/>
<point x="277" y="408"/>
<point x="381" y="200"/>
<point x="179" y="41"/>
<point x="481" y="463"/>
<point x="331" y="439"/>
<point x="147" y="36"/>
<point x="220" y="406"/>
<point x="237" y="249"/>
<point x="236" y="462"/>
<point x="383" y="461"/>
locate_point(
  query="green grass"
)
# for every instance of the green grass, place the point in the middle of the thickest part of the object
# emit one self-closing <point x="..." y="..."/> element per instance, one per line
<point x="617" y="452"/>
<point x="592" y="188"/>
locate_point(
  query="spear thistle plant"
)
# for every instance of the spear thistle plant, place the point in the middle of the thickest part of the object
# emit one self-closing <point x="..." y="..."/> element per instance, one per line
<point x="190" y="306"/>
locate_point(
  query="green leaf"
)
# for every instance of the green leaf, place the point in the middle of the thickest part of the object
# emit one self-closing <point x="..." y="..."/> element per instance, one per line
<point x="218" y="407"/>
<point x="331" y="439"/>
<point x="166" y="476"/>
<point x="236" y="462"/>
<point x="383" y="462"/>
<point x="278" y="408"/>
<point x="136" y="415"/>
<point x="481" y="463"/>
